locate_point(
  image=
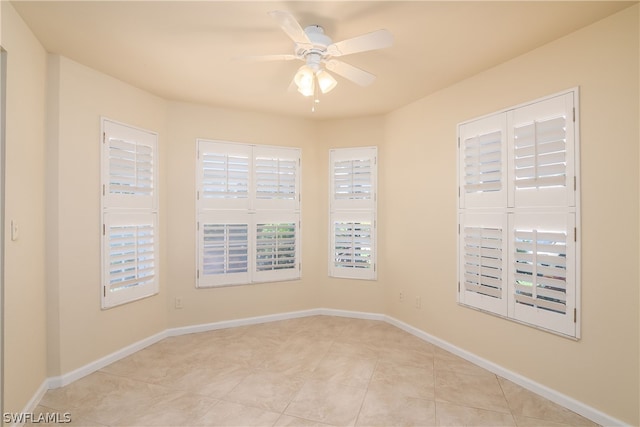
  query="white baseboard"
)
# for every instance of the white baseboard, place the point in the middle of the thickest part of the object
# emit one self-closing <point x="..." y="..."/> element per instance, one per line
<point x="68" y="378"/>
<point x="555" y="396"/>
<point x="537" y="388"/>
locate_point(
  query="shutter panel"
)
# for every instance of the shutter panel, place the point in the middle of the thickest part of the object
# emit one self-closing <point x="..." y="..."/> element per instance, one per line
<point x="353" y="245"/>
<point x="542" y="271"/>
<point x="277" y="248"/>
<point x="223" y="248"/>
<point x="129" y="166"/>
<point x="542" y="153"/>
<point x="482" y="158"/>
<point x="353" y="178"/>
<point x="129" y="257"/>
<point x="483" y="261"/>
<point x="277" y="179"/>
<point x="223" y="175"/>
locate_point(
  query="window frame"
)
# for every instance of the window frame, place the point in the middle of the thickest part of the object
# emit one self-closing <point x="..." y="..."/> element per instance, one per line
<point x="513" y="205"/>
<point x="136" y="208"/>
<point x="353" y="209"/>
<point x="252" y="210"/>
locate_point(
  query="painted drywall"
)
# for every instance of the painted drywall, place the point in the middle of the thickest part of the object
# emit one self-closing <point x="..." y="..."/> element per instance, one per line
<point x="417" y="225"/>
<point x="360" y="295"/>
<point x="79" y="329"/>
<point x="601" y="369"/>
<point x="187" y="123"/>
<point x="24" y="279"/>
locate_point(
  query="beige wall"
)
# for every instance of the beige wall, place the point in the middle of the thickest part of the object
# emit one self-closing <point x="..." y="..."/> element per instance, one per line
<point x="188" y="122"/>
<point x="82" y="332"/>
<point x="344" y="294"/>
<point x="601" y="369"/>
<point x="416" y="218"/>
<point x="24" y="294"/>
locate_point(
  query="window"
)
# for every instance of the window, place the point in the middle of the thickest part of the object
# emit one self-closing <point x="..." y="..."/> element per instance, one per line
<point x="353" y="173"/>
<point x="519" y="214"/>
<point x="248" y="207"/>
<point x="129" y="213"/>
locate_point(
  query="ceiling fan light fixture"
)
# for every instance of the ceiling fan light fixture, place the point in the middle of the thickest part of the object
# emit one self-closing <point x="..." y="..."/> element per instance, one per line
<point x="304" y="79"/>
<point x="325" y="81"/>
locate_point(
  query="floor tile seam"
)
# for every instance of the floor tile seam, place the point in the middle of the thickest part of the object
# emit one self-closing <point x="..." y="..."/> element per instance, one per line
<point x="441" y="400"/>
<point x="366" y="392"/>
<point x="513" y="418"/>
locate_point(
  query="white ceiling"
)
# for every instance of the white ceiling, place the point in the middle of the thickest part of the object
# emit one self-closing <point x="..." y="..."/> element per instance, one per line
<point x="187" y="50"/>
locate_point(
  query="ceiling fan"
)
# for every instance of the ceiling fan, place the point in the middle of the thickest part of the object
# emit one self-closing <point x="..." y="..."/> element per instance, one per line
<point x="316" y="49"/>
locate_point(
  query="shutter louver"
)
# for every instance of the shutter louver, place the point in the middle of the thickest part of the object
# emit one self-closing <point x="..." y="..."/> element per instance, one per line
<point x="352" y="179"/>
<point x="540" y="154"/>
<point x="275" y="178"/>
<point x="541" y="270"/>
<point x="131" y="256"/>
<point x="225" y="176"/>
<point x="130" y="248"/>
<point x="225" y="248"/>
<point x="483" y="261"/>
<point x="483" y="163"/>
<point x="542" y="276"/>
<point x="275" y="246"/>
<point x="353" y="244"/>
<point x="130" y="168"/>
<point x="482" y="167"/>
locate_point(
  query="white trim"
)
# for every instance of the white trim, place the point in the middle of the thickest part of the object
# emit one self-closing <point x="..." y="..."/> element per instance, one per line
<point x="35" y="400"/>
<point x="537" y="388"/>
<point x="68" y="378"/>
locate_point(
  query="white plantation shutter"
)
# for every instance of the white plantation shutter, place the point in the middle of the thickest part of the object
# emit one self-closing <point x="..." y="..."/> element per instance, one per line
<point x="483" y="261"/>
<point x="542" y="272"/>
<point x="519" y="216"/>
<point x="353" y="201"/>
<point x="223" y="248"/>
<point x="129" y="213"/>
<point x="130" y="249"/>
<point x="353" y="178"/>
<point x="277" y="251"/>
<point x="128" y="166"/>
<point x="483" y="162"/>
<point x="223" y="175"/>
<point x="542" y="153"/>
<point x="248" y="208"/>
<point x="352" y="245"/>
<point x="277" y="178"/>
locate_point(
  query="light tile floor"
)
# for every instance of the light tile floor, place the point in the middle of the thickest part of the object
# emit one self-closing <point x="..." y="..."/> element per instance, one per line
<point x="313" y="371"/>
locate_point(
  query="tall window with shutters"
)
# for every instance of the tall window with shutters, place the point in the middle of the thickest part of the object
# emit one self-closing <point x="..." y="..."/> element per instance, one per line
<point x="129" y="161"/>
<point x="248" y="208"/>
<point x="519" y="215"/>
<point x="353" y="201"/>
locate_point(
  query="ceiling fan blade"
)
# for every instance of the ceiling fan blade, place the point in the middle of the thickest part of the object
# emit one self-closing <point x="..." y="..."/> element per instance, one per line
<point x="290" y="26"/>
<point x="370" y="41"/>
<point x="349" y="72"/>
<point x="264" y="58"/>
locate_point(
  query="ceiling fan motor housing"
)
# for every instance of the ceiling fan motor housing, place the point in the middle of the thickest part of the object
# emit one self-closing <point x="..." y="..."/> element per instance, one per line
<point x="317" y="50"/>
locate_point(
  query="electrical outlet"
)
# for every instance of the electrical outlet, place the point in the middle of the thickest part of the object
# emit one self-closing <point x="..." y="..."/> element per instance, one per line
<point x="178" y="303"/>
<point x="401" y="297"/>
<point x="418" y="302"/>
